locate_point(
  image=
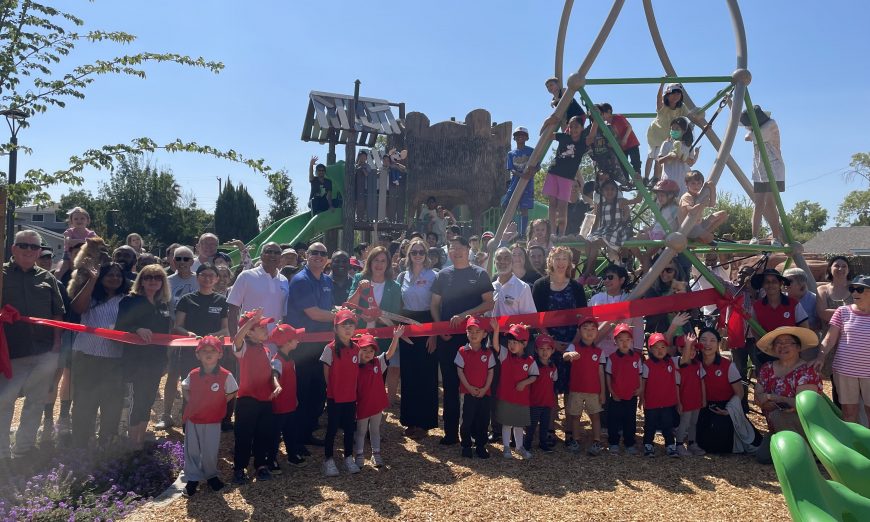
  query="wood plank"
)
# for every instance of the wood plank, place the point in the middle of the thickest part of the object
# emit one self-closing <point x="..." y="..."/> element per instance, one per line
<point x="316" y="131"/>
<point x="333" y="118"/>
<point x="342" y="114"/>
<point x="320" y="112"/>
<point x="385" y="123"/>
<point x="326" y="102"/>
<point x="393" y="124"/>
<point x="307" y="132"/>
<point x="377" y="108"/>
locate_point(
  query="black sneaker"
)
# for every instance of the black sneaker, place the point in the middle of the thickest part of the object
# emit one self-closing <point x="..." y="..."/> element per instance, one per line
<point x="215" y="484"/>
<point x="546" y="448"/>
<point x="467" y="453"/>
<point x="240" y="477"/>
<point x="190" y="488"/>
<point x="274" y="468"/>
<point x="303" y="452"/>
<point x="482" y="452"/>
<point x="448" y="441"/>
<point x="263" y="473"/>
<point x="296" y="460"/>
<point x="226" y="426"/>
<point x="314" y="441"/>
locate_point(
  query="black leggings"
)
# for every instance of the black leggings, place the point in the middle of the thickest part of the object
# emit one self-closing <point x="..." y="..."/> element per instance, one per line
<point x="339" y="415"/>
<point x="253" y="432"/>
<point x="540" y="419"/>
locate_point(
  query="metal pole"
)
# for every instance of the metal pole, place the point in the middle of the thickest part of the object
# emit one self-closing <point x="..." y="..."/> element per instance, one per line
<point x="10" y="205"/>
<point x="656" y="80"/>
<point x="349" y="196"/>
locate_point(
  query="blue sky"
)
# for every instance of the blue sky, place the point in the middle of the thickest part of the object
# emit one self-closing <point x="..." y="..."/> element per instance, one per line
<point x="446" y="59"/>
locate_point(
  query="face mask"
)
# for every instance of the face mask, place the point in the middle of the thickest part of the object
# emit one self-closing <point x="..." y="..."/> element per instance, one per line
<point x="676" y="134"/>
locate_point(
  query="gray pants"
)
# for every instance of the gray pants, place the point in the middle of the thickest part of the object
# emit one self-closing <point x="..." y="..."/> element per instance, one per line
<point x="372" y="426"/>
<point x="688" y="426"/>
<point x="31" y="377"/>
<point x="201" y="443"/>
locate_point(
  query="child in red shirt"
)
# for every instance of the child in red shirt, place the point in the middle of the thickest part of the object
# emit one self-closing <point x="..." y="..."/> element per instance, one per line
<point x="586" y="386"/>
<point x="341" y="371"/>
<point x="518" y="372"/>
<point x="258" y="385"/>
<point x="474" y="364"/>
<point x="623" y="369"/>
<point x="660" y="393"/>
<point x="206" y="391"/>
<point x="542" y="393"/>
<point x="284" y="424"/>
<point x="693" y="396"/>
<point x="371" y="396"/>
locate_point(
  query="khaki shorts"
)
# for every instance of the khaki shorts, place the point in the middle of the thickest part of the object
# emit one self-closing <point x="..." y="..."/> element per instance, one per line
<point x="577" y="402"/>
<point x="851" y="389"/>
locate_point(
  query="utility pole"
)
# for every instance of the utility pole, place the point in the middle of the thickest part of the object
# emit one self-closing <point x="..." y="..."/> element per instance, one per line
<point x="220" y="187"/>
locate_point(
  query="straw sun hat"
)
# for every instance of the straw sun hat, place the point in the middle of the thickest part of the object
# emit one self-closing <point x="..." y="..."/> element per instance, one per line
<point x="808" y="338"/>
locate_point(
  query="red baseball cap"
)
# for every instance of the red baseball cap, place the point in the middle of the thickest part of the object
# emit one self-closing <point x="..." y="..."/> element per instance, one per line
<point x="210" y="341"/>
<point x="367" y="340"/>
<point x="284" y="333"/>
<point x="623" y="328"/>
<point x="657" y="338"/>
<point x="586" y="319"/>
<point x="354" y="262"/>
<point x="247" y="316"/>
<point x="342" y="315"/>
<point x="544" y="340"/>
<point x="519" y="331"/>
<point x="473" y="320"/>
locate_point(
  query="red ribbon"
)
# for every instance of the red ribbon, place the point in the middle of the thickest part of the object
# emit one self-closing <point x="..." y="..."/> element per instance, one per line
<point x="608" y="312"/>
<point x="8" y="315"/>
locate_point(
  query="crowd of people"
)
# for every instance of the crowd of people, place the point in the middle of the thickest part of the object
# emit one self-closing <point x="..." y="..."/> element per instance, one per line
<point x="500" y="381"/>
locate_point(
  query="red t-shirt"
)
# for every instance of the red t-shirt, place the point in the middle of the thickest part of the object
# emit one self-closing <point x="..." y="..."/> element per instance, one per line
<point x="691" y="381"/>
<point x="343" y="372"/>
<point x="286" y="401"/>
<point x="584" y="370"/>
<point x="619" y="125"/>
<point x="718" y="378"/>
<point x="625" y="370"/>
<point x="772" y="318"/>
<point x="255" y="371"/>
<point x="513" y="370"/>
<point x="662" y="379"/>
<point x="543" y="391"/>
<point x="207" y="396"/>
<point x="476" y="364"/>
<point x="371" y="394"/>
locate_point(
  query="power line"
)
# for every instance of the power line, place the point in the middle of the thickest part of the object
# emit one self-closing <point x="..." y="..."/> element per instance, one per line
<point x="841" y="169"/>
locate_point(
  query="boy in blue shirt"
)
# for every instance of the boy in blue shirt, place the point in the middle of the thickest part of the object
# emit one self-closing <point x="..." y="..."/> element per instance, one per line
<point x="516" y="165"/>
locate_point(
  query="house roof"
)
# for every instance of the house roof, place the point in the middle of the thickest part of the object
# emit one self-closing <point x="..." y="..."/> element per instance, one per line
<point x="327" y="119"/>
<point x="840" y="240"/>
<point x="33" y="208"/>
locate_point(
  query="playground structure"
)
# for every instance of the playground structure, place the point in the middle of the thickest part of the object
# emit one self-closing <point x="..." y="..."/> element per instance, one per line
<point x="676" y="241"/>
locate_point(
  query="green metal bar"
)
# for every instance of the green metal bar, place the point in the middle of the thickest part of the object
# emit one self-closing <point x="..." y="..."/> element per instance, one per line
<point x="787" y="264"/>
<point x="719" y="95"/>
<point x="645" y="115"/>
<point x="659" y="79"/>
<point x="762" y="150"/>
<point x="617" y="149"/>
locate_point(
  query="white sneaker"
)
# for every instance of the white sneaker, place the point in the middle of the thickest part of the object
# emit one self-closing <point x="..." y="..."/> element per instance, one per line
<point x="753" y="241"/>
<point x="330" y="469"/>
<point x="360" y="460"/>
<point x="525" y="454"/>
<point x="376" y="458"/>
<point x="350" y="465"/>
<point x="508" y="454"/>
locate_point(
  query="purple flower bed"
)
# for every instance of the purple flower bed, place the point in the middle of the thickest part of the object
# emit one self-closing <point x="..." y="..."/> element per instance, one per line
<point x="92" y="485"/>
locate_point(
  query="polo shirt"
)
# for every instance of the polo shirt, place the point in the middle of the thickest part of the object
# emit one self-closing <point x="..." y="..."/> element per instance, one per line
<point x="512" y="298"/>
<point x="513" y="370"/>
<point x="718" y="378"/>
<point x="207" y="394"/>
<point x="543" y="392"/>
<point x="371" y="394"/>
<point x="788" y="313"/>
<point x="476" y="364"/>
<point x="584" y="376"/>
<point x="691" y="383"/>
<point x="343" y="365"/>
<point x="307" y="291"/>
<point x="662" y="380"/>
<point x="287" y="400"/>
<point x="256" y="288"/>
<point x="33" y="293"/>
<point x="624" y="370"/>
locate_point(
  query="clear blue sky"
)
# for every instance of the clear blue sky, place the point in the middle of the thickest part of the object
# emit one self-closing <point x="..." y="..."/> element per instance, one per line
<point x="446" y="59"/>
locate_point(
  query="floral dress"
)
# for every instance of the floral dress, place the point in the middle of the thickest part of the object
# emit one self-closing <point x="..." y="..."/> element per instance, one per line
<point x="787" y="385"/>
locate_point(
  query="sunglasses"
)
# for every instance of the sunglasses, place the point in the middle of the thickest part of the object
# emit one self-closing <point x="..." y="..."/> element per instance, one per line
<point x="857" y="289"/>
<point x="669" y="270"/>
<point x="321" y="253"/>
<point x="183" y="259"/>
<point x="153" y="277"/>
<point x="417" y="252"/>
<point x="610" y="277"/>
<point x="31" y="246"/>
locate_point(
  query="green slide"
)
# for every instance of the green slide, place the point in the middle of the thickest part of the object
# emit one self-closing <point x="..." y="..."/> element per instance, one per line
<point x="842" y="447"/>
<point x="301" y="227"/>
<point x="809" y="496"/>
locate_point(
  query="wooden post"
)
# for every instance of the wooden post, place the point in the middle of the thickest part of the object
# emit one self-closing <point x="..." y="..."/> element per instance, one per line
<point x="349" y="201"/>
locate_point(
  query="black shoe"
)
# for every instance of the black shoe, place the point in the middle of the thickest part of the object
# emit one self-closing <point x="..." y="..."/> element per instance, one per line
<point x="303" y="451"/>
<point x="215" y="484"/>
<point x="296" y="460"/>
<point x="263" y="473"/>
<point x="494" y="437"/>
<point x="448" y="441"/>
<point x="314" y="441"/>
<point x="482" y="452"/>
<point x="467" y="453"/>
<point x="190" y="488"/>
<point x="546" y="448"/>
<point x="274" y="469"/>
<point x="226" y="426"/>
<point x="240" y="477"/>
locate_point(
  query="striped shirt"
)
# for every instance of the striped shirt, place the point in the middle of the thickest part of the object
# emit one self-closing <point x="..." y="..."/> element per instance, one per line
<point x="102" y="315"/>
<point x="853" y="352"/>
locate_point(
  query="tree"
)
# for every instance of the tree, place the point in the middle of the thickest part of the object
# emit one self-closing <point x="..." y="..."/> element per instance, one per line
<point x="739" y="222"/>
<point x="855" y="209"/>
<point x="235" y="214"/>
<point x="282" y="201"/>
<point x="37" y="38"/>
<point x="860" y="166"/>
<point x="807" y="219"/>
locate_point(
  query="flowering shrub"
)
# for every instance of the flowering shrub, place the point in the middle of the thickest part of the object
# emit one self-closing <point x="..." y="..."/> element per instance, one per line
<point x="98" y="486"/>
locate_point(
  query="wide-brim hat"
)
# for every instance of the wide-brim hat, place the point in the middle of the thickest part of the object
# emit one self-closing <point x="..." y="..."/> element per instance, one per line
<point x="807" y="338"/>
<point x="757" y="280"/>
